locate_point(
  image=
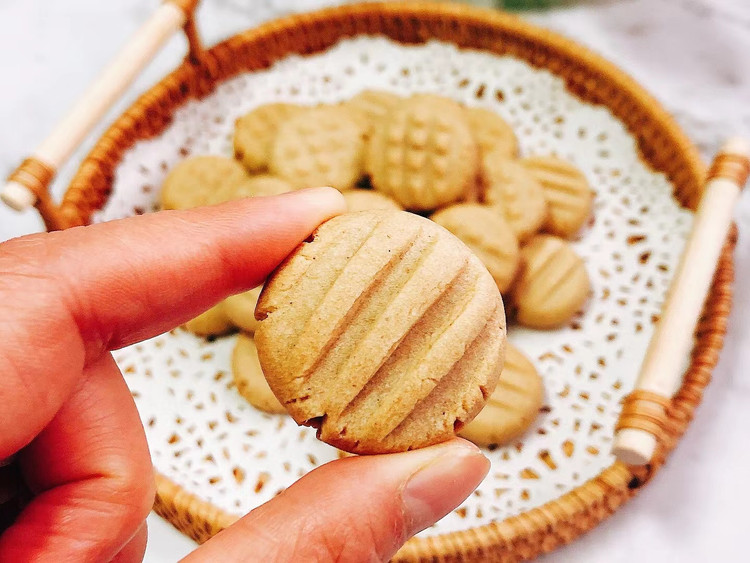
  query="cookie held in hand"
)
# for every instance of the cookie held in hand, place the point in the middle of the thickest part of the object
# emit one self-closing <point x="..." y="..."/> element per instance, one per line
<point x="384" y="331"/>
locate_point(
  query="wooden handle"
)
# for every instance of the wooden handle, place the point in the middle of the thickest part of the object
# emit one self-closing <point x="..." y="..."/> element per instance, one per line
<point x="662" y="368"/>
<point x="27" y="184"/>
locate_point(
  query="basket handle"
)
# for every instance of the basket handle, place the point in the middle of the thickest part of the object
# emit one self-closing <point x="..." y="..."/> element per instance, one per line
<point x="29" y="184"/>
<point x="643" y="414"/>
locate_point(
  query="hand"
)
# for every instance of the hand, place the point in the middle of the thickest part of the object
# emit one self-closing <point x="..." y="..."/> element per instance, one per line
<point x="71" y="297"/>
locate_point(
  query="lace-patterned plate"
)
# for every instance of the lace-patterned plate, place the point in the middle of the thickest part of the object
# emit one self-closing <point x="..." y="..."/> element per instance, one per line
<point x="206" y="438"/>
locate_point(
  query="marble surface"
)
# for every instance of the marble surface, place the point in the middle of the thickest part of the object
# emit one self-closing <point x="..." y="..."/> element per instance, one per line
<point x="693" y="55"/>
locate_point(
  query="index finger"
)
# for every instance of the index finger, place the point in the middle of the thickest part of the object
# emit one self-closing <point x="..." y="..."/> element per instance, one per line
<point x="72" y="295"/>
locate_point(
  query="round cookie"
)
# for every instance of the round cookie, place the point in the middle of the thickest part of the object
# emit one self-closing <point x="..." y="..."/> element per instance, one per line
<point x="508" y="185"/>
<point x="255" y="132"/>
<point x="568" y="194"/>
<point x="487" y="234"/>
<point x="492" y="132"/>
<point x="365" y="200"/>
<point x="255" y="186"/>
<point x="513" y="405"/>
<point x="213" y="322"/>
<point x="249" y="378"/>
<point x="240" y="309"/>
<point x="199" y="180"/>
<point x="321" y="146"/>
<point x="552" y="283"/>
<point x="384" y="332"/>
<point x="423" y="154"/>
<point x="373" y="105"/>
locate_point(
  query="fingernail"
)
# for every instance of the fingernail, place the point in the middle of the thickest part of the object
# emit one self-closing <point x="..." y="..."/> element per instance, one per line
<point x="442" y="483"/>
<point x="326" y="198"/>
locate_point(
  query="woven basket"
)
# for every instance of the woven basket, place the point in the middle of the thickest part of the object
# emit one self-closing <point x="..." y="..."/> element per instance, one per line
<point x="661" y="144"/>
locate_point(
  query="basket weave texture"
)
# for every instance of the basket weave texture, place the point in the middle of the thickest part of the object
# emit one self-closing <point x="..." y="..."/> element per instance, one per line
<point x="661" y="144"/>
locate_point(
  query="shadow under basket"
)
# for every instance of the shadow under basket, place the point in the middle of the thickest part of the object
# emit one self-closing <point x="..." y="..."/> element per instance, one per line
<point x="661" y="146"/>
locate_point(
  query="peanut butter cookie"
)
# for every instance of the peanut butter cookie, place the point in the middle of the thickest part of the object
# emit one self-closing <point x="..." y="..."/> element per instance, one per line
<point x="384" y="332"/>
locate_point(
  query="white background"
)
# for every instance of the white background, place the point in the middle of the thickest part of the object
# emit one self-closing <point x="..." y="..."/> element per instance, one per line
<point x="694" y="55"/>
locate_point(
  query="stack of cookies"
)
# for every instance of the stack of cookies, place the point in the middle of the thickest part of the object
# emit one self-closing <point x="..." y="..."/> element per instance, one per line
<point x="429" y="155"/>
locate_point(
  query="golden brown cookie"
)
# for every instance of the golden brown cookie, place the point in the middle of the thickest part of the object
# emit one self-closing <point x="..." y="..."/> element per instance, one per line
<point x="365" y="200"/>
<point x="373" y="105"/>
<point x="484" y="230"/>
<point x="568" y="194"/>
<point x="384" y="332"/>
<point x="492" y="132"/>
<point x="240" y="309"/>
<point x="198" y="180"/>
<point x="513" y="405"/>
<point x="249" y="379"/>
<point x="255" y="186"/>
<point x="511" y="187"/>
<point x="552" y="283"/>
<point x="213" y="322"/>
<point x="255" y="132"/>
<point x="423" y="154"/>
<point x="321" y="146"/>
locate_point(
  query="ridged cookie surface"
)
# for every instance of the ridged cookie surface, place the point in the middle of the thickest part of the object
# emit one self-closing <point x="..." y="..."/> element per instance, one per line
<point x="568" y="194"/>
<point x="552" y="283"/>
<point x="513" y="405"/>
<point x="423" y="154"/>
<point x="384" y="331"/>
<point x="484" y="230"/>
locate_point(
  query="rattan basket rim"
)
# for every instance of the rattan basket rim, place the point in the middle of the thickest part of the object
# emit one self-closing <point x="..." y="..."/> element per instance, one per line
<point x="661" y="143"/>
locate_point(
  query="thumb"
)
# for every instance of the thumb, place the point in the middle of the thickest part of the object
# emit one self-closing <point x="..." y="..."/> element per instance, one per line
<point x="354" y="509"/>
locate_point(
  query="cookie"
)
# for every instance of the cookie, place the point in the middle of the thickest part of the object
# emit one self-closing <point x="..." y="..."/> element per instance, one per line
<point x="492" y="132"/>
<point x="423" y="154"/>
<point x="513" y="405"/>
<point x="384" y="332"/>
<point x="240" y="309"/>
<point x="552" y="283"/>
<point x="213" y="322"/>
<point x="198" y="180"/>
<point x="484" y="230"/>
<point x="372" y="106"/>
<point x="249" y="379"/>
<point x="321" y="146"/>
<point x="508" y="185"/>
<point x="365" y="200"/>
<point x="255" y="132"/>
<point x="261" y="185"/>
<point x="567" y="192"/>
